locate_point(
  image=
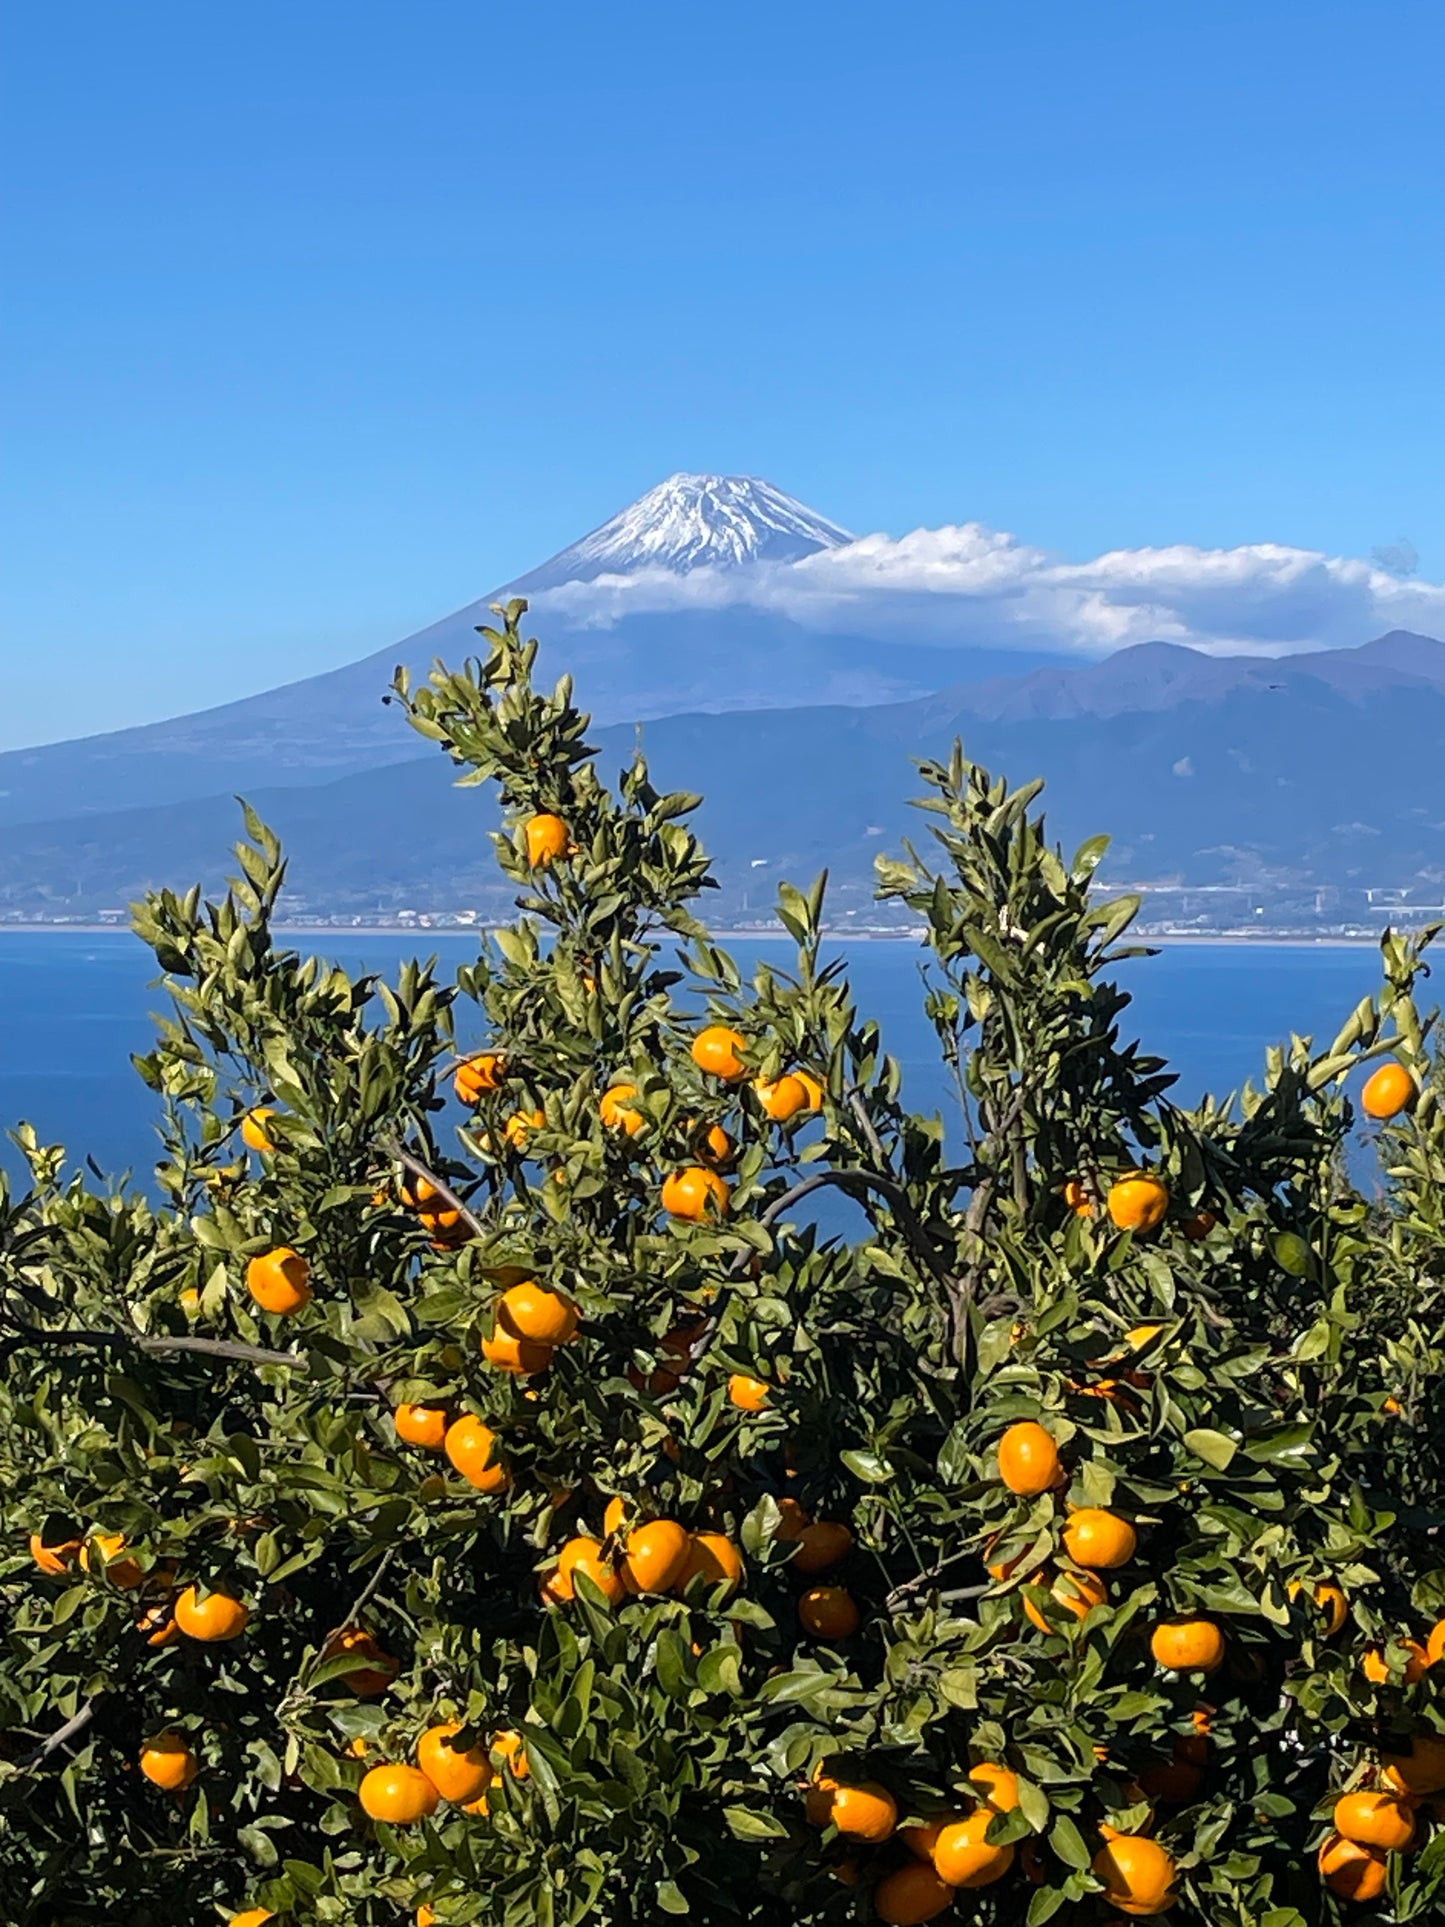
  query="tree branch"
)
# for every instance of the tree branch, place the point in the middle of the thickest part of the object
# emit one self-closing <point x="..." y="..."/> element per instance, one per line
<point x="364" y="1598"/>
<point x="913" y="1227"/>
<point x="443" y="1190"/>
<point x="900" y="1593"/>
<point x="77" y="1723"/>
<point x="154" y="1345"/>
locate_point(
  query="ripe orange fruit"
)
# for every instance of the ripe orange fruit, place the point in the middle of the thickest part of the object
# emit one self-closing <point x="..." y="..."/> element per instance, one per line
<point x="1331" y="1600"/>
<point x="459" y="1774"/>
<point x="782" y="1099"/>
<point x="1028" y="1459"/>
<point x="120" y="1571"/>
<point x="547" y="839"/>
<point x="472" y="1449"/>
<point x="1138" y="1874"/>
<point x="829" y="1612"/>
<point x="1435" y="1644"/>
<point x="1075" y="1592"/>
<point x="821" y="1545"/>
<point x="1352" y="1871"/>
<point x="398" y="1795"/>
<point x="156" y="1626"/>
<point x="1421" y="1770"/>
<point x="921" y="1840"/>
<point x="426" y="1915"/>
<point x="1187" y="1645"/>
<point x="994" y="1786"/>
<point x="656" y="1557"/>
<point x="617" y="1113"/>
<point x="530" y="1310"/>
<point x="253" y="1917"/>
<point x="168" y="1762"/>
<point x="582" y="1555"/>
<point x="1138" y="1202"/>
<point x="910" y="1895"/>
<point x="1389" y="1091"/>
<point x="866" y="1812"/>
<point x="424" y="1425"/>
<point x="516" y="1355"/>
<point x="513" y="1751"/>
<point x="1375" y="1666"/>
<point x="253" y="1128"/>
<point x="1077" y="1198"/>
<point x="476" y="1075"/>
<point x="279" y="1281"/>
<point x="1380" y="1820"/>
<point x="713" y="1557"/>
<point x="615" y="1516"/>
<point x="520" y="1126"/>
<point x="1098" y="1539"/>
<point x="214" y="1618"/>
<point x="55" y="1559"/>
<point x="369" y="1681"/>
<point x="748" y="1394"/>
<point x="718" y="1051"/>
<point x="715" y="1146"/>
<point x="440" y="1221"/>
<point x="696" y="1194"/>
<point x="812" y="1089"/>
<point x="963" y="1857"/>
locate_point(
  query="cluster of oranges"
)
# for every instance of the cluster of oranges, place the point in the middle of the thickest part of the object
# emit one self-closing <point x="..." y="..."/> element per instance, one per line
<point x="694" y="1192"/>
<point x="652" y="1556"/>
<point x="166" y="1610"/>
<point x="1139" y="1202"/>
<point x="1368" y="1825"/>
<point x="952" y="1851"/>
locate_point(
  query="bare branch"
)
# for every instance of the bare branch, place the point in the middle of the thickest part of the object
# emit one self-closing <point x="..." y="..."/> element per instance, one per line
<point x="364" y="1598"/>
<point x="76" y="1724"/>
<point x="155" y="1345"/>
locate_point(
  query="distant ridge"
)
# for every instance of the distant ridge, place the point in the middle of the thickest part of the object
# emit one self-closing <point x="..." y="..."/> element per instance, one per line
<point x="1307" y="790"/>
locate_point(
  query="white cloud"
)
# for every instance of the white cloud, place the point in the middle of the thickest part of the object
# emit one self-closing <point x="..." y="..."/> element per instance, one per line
<point x="969" y="583"/>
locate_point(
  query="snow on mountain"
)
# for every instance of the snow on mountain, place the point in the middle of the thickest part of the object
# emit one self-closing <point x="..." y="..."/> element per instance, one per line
<point x="693" y="522"/>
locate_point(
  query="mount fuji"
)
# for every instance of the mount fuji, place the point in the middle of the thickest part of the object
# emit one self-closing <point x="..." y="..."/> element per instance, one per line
<point x="653" y="612"/>
<point x="693" y="522"/>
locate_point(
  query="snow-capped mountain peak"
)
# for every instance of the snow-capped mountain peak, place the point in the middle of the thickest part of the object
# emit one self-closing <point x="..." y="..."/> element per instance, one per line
<point x="693" y="522"/>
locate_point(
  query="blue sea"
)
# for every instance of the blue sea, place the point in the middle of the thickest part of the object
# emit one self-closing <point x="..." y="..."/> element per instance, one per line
<point x="73" y="1007"/>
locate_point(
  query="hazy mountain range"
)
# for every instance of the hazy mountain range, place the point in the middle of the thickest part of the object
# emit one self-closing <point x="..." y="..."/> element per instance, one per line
<point x="1306" y="789"/>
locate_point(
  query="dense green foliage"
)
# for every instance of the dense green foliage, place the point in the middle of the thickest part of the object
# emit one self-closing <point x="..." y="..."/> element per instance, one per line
<point x="1275" y="1425"/>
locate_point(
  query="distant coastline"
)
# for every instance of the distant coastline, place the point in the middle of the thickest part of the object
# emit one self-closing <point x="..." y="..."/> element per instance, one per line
<point x="1226" y="939"/>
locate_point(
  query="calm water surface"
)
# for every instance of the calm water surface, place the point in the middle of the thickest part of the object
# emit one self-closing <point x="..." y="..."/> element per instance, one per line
<point x="73" y="1008"/>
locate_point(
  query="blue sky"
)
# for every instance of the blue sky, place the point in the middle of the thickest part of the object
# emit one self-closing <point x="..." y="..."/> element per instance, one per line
<point x="324" y="319"/>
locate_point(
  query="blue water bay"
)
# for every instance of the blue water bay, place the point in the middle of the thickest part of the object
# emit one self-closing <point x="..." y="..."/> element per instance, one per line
<point x="74" y="1007"/>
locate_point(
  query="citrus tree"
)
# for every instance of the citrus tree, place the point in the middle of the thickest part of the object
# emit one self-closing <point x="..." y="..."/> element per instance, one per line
<point x="474" y="1486"/>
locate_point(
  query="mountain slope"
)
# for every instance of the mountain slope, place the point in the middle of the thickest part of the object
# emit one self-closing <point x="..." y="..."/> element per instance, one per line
<point x="1322" y="778"/>
<point x="692" y="522"/>
<point x="643" y="665"/>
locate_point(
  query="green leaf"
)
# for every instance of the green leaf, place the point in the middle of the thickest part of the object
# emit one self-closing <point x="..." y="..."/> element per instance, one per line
<point x="746" y="1824"/>
<point x="870" y="1467"/>
<point x="1213" y="1447"/>
<point x="1068" y="1843"/>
